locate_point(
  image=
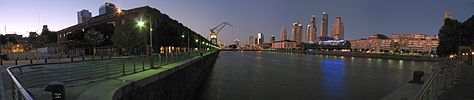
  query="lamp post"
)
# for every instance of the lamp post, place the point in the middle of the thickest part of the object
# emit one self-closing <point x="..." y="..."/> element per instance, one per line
<point x="188" y="42"/>
<point x="181" y="42"/>
<point x="142" y="24"/>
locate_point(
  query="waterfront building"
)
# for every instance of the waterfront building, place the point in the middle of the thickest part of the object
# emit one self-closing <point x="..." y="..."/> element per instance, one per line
<point x="272" y="39"/>
<point x="415" y="42"/>
<point x="283" y="34"/>
<point x="311" y="31"/>
<point x="376" y="42"/>
<point x="144" y="26"/>
<point x="338" y="29"/>
<point x="287" y="44"/>
<point x="83" y="16"/>
<point x="420" y="43"/>
<point x="260" y="38"/>
<point x="283" y="43"/>
<point x="297" y="32"/>
<point x="323" y="35"/>
<point x="107" y="8"/>
<point x="251" y="41"/>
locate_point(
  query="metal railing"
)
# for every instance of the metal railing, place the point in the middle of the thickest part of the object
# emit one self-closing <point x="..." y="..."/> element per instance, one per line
<point x="73" y="73"/>
<point x="443" y="76"/>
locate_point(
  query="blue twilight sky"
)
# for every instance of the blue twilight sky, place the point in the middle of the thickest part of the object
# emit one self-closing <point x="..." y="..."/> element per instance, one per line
<point x="361" y="18"/>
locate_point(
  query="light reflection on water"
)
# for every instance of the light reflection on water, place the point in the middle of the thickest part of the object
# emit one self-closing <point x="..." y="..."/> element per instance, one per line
<point x="291" y="76"/>
<point x="333" y="77"/>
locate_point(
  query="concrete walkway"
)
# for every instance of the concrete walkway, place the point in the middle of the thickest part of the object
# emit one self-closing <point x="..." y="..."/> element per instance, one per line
<point x="463" y="90"/>
<point x="5" y="81"/>
<point x="105" y="89"/>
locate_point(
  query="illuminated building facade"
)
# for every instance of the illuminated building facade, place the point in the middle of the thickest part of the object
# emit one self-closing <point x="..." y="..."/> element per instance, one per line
<point x="311" y="31"/>
<point x="420" y="43"/>
<point x="338" y="29"/>
<point x="297" y="32"/>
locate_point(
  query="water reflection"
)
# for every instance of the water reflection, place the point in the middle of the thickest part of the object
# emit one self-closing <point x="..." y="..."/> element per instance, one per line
<point x="286" y="76"/>
<point x="333" y="77"/>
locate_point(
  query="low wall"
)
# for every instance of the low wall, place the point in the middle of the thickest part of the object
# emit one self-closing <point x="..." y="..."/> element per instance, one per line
<point x="22" y="55"/>
<point x="178" y="83"/>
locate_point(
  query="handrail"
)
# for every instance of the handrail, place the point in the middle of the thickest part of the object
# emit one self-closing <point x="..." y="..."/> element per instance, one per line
<point x="424" y="90"/>
<point x="25" y="94"/>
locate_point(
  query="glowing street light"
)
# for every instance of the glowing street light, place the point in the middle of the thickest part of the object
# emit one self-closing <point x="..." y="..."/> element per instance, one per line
<point x="119" y="10"/>
<point x="141" y="23"/>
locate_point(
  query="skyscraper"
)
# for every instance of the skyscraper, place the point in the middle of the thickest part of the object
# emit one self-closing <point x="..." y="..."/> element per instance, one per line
<point x="296" y="31"/>
<point x="272" y="39"/>
<point x="283" y="34"/>
<point x="338" y="29"/>
<point x="324" y="27"/>
<point x="311" y="31"/>
<point x="107" y="8"/>
<point x="83" y="16"/>
<point x="260" y="38"/>
<point x="251" y="40"/>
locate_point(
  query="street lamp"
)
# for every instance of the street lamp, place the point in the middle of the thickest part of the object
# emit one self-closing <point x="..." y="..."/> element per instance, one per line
<point x="141" y="24"/>
<point x="119" y="10"/>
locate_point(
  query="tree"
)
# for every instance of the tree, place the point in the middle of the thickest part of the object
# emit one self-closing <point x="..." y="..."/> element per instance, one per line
<point x="51" y="37"/>
<point x="449" y="37"/>
<point x="126" y="39"/>
<point x="3" y="40"/>
<point x="468" y="31"/>
<point x="93" y="38"/>
<point x="38" y="41"/>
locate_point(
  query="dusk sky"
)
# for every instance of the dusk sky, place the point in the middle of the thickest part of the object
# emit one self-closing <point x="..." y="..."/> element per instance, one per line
<point x="361" y="18"/>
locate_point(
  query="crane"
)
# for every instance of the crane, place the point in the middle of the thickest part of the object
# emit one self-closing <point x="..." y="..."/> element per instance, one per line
<point x="216" y="30"/>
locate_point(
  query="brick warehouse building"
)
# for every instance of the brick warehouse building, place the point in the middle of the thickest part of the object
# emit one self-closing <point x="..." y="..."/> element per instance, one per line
<point x="167" y="34"/>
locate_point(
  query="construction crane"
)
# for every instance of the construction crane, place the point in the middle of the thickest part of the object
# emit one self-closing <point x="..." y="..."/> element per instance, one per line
<point x="216" y="30"/>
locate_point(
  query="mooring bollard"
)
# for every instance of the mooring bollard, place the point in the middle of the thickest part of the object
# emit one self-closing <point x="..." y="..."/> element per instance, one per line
<point x="57" y="90"/>
<point x="417" y="77"/>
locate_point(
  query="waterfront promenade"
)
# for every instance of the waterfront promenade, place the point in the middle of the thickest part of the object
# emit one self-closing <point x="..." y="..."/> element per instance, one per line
<point x="78" y="76"/>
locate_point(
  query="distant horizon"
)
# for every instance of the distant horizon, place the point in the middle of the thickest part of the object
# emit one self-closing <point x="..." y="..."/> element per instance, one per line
<point x="361" y="18"/>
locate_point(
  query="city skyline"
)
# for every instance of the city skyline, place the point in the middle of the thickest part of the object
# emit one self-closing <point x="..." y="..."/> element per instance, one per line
<point x="360" y="18"/>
